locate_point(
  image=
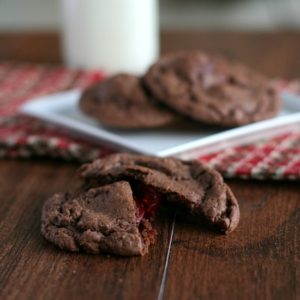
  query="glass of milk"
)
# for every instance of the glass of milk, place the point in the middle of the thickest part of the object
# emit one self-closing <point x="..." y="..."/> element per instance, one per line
<point x="110" y="35"/>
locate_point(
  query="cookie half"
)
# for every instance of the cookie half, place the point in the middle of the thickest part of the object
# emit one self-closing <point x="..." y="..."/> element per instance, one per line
<point x="191" y="185"/>
<point x="122" y="102"/>
<point x="101" y="220"/>
<point x="211" y="89"/>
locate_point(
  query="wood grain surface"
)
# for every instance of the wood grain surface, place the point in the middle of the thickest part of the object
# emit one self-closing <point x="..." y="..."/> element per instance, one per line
<point x="260" y="260"/>
<point x="274" y="53"/>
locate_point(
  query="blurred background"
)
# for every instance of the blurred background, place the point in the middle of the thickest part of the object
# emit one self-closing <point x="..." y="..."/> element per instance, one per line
<point x="247" y="30"/>
<point x="44" y="15"/>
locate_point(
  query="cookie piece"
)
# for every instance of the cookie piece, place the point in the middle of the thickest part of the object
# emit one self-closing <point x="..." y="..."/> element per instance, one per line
<point x="121" y="101"/>
<point x="104" y="219"/>
<point x="212" y="90"/>
<point x="189" y="184"/>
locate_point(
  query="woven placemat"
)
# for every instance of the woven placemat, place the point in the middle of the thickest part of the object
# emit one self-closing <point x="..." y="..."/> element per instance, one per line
<point x="23" y="137"/>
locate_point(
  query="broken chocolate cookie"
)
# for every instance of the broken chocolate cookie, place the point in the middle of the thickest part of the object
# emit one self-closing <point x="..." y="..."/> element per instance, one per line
<point x="104" y="219"/>
<point x="122" y="193"/>
<point x="190" y="184"/>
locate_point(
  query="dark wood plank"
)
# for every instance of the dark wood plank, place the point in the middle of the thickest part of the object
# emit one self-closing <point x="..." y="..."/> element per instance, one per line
<point x="260" y="260"/>
<point x="31" y="268"/>
<point x="275" y="53"/>
<point x="31" y="47"/>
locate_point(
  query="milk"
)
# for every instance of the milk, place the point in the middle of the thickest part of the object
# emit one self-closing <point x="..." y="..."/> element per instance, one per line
<point x="111" y="35"/>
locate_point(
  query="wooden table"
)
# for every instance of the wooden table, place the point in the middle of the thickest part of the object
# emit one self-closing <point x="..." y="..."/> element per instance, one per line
<point x="260" y="260"/>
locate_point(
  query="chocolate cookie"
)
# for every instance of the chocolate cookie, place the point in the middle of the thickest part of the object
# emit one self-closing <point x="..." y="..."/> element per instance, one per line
<point x="122" y="102"/>
<point x="188" y="184"/>
<point x="104" y="219"/>
<point x="212" y="90"/>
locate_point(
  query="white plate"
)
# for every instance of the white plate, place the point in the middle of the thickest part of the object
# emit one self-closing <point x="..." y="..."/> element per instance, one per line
<point x="62" y="111"/>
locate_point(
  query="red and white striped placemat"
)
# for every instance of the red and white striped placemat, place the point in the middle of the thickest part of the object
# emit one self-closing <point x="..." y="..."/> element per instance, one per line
<point x="22" y="137"/>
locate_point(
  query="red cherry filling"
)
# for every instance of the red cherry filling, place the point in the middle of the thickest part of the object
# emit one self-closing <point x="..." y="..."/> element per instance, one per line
<point x="147" y="201"/>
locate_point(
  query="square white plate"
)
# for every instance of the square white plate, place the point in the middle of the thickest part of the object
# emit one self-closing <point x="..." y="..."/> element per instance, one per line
<point x="61" y="110"/>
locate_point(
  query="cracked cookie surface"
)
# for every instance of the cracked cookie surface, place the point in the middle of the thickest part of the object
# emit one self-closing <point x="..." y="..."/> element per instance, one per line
<point x="102" y="219"/>
<point x="190" y="184"/>
<point x="122" y="102"/>
<point x="211" y="89"/>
